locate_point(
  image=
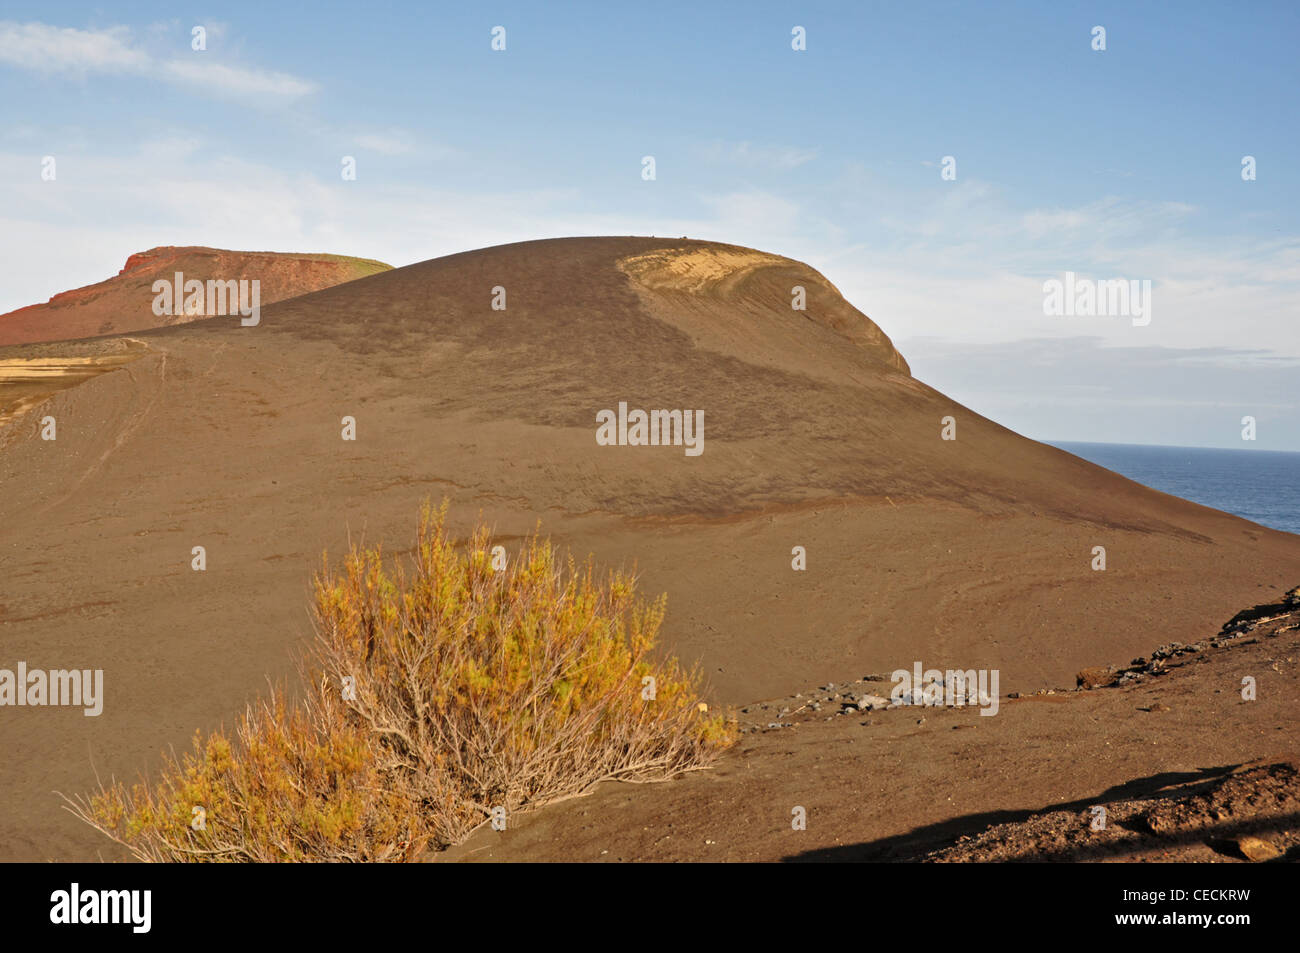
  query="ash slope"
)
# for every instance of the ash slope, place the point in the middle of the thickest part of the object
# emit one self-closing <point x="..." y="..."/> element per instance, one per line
<point x="973" y="553"/>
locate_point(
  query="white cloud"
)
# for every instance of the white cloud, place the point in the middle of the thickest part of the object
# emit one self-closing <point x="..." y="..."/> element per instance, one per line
<point x="387" y="145"/>
<point x="38" y="46"/>
<point x="50" y="49"/>
<point x="966" y="263"/>
<point x="780" y="158"/>
<point x="214" y="76"/>
<point x="171" y="148"/>
<point x="399" y="143"/>
<point x="752" y="211"/>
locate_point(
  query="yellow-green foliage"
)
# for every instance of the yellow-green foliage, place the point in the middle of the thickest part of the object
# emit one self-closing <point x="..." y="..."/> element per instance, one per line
<point x="470" y="689"/>
<point x="297" y="784"/>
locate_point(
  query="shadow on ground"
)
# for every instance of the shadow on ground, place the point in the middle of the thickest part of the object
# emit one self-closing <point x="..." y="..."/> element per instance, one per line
<point x="1157" y="789"/>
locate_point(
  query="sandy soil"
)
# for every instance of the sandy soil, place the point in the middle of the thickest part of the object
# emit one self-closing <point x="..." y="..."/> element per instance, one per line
<point x="973" y="553"/>
<point x="1185" y="768"/>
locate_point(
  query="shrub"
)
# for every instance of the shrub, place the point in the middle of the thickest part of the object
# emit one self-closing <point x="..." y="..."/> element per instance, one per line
<point x="298" y="783"/>
<point x="435" y="693"/>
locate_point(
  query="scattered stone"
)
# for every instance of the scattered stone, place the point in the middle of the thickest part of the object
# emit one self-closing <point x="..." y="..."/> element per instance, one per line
<point x="1256" y="849"/>
<point x="1157" y="823"/>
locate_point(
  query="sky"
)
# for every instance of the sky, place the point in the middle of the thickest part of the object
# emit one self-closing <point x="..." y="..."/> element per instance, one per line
<point x="1122" y="163"/>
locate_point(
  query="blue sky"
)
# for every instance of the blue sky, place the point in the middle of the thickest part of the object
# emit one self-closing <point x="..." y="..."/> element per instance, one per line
<point x="1123" y="163"/>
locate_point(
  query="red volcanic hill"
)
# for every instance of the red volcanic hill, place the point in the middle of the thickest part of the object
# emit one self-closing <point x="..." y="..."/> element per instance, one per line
<point x="124" y="303"/>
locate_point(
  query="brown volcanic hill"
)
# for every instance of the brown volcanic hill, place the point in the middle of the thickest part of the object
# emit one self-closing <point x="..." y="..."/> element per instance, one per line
<point x="124" y="303"/>
<point x="974" y="552"/>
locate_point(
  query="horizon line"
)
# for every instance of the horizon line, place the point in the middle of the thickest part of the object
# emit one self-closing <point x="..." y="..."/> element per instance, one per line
<point x="1165" y="446"/>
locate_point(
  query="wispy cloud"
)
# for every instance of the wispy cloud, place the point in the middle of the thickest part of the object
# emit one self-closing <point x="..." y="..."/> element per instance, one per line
<point x="399" y="142"/>
<point x="51" y="49"/>
<point x="236" y="81"/>
<point x="48" y="49"/>
<point x="779" y="158"/>
<point x="388" y="144"/>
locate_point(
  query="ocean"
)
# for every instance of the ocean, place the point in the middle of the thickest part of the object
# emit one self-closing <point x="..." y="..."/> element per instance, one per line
<point x="1259" y="485"/>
